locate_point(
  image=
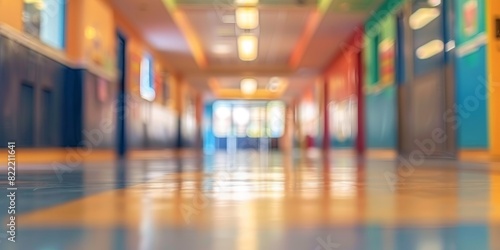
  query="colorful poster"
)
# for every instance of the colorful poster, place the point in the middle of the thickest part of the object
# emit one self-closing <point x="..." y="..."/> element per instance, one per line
<point x="470" y="20"/>
<point x="470" y="17"/>
<point x="102" y="90"/>
<point x="387" y="55"/>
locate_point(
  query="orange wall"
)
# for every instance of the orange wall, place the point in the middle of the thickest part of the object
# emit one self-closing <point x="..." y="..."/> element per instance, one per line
<point x="11" y="12"/>
<point x="99" y="36"/>
<point x="91" y="27"/>
<point x="493" y="12"/>
<point x="136" y="48"/>
<point x="342" y="72"/>
<point x="342" y="78"/>
<point x="74" y="27"/>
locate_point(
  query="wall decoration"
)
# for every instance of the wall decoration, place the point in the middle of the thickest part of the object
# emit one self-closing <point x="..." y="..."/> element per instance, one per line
<point x="102" y="90"/>
<point x="387" y="56"/>
<point x="470" y="12"/>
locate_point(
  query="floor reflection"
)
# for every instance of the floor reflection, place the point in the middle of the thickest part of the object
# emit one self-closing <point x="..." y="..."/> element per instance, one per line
<point x="251" y="201"/>
<point x="370" y="236"/>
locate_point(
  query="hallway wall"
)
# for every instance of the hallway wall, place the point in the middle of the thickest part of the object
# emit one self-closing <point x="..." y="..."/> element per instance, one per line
<point x="470" y="75"/>
<point x="380" y="88"/>
<point x="342" y="77"/>
<point x="493" y="38"/>
<point x="68" y="97"/>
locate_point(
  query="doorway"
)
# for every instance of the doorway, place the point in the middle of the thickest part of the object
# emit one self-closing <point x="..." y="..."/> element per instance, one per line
<point x="121" y="144"/>
<point x="246" y="125"/>
<point x="425" y="84"/>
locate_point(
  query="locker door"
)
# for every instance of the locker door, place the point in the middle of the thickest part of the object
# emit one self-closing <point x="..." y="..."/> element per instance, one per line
<point x="426" y="96"/>
<point x="26" y="116"/>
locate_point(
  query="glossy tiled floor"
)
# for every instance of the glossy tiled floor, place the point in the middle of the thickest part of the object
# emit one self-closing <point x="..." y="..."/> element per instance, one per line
<point x="254" y="200"/>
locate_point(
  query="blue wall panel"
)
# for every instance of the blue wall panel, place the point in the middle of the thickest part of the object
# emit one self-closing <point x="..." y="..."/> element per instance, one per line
<point x="471" y="100"/>
<point x="348" y="143"/>
<point x="381" y="124"/>
<point x="471" y="74"/>
<point x="209" y="140"/>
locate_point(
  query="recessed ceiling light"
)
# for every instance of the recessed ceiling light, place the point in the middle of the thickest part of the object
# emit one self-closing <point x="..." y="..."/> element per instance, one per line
<point x="247" y="18"/>
<point x="422" y="17"/>
<point x="246" y="2"/>
<point x="248" y="86"/>
<point x="430" y="49"/>
<point x="247" y="47"/>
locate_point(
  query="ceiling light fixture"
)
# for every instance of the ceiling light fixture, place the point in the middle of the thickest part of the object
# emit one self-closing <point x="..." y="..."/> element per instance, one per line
<point x="247" y="47"/>
<point x="274" y="84"/>
<point x="434" y="3"/>
<point x="430" y="49"/>
<point x="246" y="2"/>
<point x="248" y="86"/>
<point x="247" y="18"/>
<point x="422" y="17"/>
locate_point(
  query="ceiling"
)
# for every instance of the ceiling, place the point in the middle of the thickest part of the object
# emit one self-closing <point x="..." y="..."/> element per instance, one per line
<point x="198" y="38"/>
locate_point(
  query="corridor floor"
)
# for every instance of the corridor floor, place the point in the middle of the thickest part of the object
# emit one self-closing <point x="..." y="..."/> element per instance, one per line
<point x="256" y="200"/>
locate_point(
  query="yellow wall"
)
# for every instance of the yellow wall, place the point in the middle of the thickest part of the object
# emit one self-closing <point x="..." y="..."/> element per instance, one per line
<point x="90" y="33"/>
<point x="493" y="12"/>
<point x="11" y="12"/>
<point x="99" y="34"/>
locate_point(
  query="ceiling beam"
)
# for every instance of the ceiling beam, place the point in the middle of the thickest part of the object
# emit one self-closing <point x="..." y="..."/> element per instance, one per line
<point x="312" y="25"/>
<point x="194" y="42"/>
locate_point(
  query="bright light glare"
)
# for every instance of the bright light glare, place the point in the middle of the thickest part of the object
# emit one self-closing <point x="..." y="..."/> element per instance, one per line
<point x="422" y="17"/>
<point x="275" y="119"/>
<point x="247" y="47"/>
<point x="222" y="112"/>
<point x="246" y="2"/>
<point x="430" y="49"/>
<point x="248" y="86"/>
<point x="450" y="45"/>
<point x="146" y="89"/>
<point x="247" y="18"/>
<point x="241" y="116"/>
